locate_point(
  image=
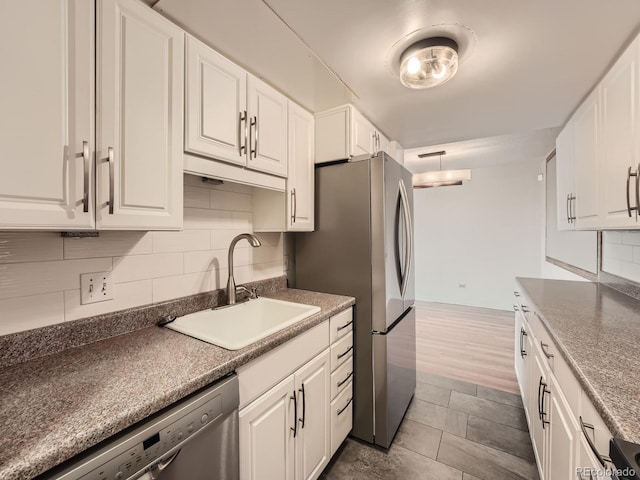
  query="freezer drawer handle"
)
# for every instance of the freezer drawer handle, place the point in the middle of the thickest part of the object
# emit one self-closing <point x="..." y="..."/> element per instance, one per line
<point x="342" y="327"/>
<point x="345" y="407"/>
<point x="340" y="355"/>
<point x="346" y="379"/>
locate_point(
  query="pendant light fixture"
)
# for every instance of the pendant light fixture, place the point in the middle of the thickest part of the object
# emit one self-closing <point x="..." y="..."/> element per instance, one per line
<point x="429" y="62"/>
<point x="439" y="178"/>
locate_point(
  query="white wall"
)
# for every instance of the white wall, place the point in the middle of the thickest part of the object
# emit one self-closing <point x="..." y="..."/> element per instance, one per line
<point x="481" y="235"/>
<point x="40" y="272"/>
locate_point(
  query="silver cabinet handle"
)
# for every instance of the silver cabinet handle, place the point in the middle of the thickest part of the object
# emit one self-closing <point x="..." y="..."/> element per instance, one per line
<point x="253" y="151"/>
<point x="111" y="179"/>
<point x="516" y="293"/>
<point x="568" y="214"/>
<point x="86" y="165"/>
<point x="523" y="351"/>
<point x="584" y="426"/>
<point x="340" y="355"/>
<point x="255" y="125"/>
<point x="515" y="308"/>
<point x="629" y="207"/>
<point x="346" y="379"/>
<point x="294" y="205"/>
<point x="572" y="208"/>
<point x="544" y="347"/>
<point x="525" y="309"/>
<point x="637" y="208"/>
<point x="342" y="327"/>
<point x="345" y="407"/>
<point x="242" y="118"/>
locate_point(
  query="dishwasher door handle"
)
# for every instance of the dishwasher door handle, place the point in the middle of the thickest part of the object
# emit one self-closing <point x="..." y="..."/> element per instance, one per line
<point x="155" y="471"/>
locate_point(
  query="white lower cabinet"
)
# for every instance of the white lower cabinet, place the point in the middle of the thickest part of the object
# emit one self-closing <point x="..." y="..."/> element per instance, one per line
<point x="290" y="430"/>
<point x="267" y="445"/>
<point x="566" y="430"/>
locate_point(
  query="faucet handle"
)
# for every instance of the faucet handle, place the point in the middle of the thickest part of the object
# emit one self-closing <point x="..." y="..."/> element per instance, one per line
<point x="253" y="294"/>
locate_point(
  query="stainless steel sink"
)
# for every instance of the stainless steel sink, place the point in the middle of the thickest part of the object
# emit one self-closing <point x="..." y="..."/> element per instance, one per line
<point x="236" y="326"/>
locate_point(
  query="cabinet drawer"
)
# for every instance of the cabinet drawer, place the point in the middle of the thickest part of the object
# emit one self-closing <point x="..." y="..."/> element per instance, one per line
<point x="341" y="377"/>
<point x="341" y="351"/>
<point x="341" y="417"/>
<point x="341" y="324"/>
<point x="258" y="376"/>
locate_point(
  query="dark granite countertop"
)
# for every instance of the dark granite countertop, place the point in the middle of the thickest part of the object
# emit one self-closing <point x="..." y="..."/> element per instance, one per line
<point x="56" y="406"/>
<point x="597" y="331"/>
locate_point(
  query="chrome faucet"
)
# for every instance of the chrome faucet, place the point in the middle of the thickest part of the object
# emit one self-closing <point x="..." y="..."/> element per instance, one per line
<point x="231" y="283"/>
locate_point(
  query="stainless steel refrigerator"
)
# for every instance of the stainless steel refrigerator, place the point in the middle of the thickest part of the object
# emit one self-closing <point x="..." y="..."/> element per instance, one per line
<point x="363" y="247"/>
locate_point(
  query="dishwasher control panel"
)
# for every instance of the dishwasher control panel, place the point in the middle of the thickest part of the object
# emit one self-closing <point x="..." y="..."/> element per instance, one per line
<point x="150" y="449"/>
<point x="155" y="440"/>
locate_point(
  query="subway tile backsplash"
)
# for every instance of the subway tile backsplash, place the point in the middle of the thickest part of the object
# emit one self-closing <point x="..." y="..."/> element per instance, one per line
<point x="40" y="272"/>
<point x="621" y="254"/>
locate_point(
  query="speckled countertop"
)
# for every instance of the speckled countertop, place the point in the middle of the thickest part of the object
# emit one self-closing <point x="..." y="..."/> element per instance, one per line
<point x="597" y="331"/>
<point x="54" y="407"/>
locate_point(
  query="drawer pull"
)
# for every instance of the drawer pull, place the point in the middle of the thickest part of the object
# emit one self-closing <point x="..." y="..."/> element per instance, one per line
<point x="584" y="426"/>
<point x="516" y="293"/>
<point x="515" y="308"/>
<point x="525" y="309"/>
<point x="345" y="407"/>
<point x="340" y="355"/>
<point x="346" y="379"/>
<point x="342" y="327"/>
<point x="544" y="347"/>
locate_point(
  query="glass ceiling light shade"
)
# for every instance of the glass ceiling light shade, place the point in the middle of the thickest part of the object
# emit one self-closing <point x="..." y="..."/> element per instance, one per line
<point x="429" y="62"/>
<point x="439" y="178"/>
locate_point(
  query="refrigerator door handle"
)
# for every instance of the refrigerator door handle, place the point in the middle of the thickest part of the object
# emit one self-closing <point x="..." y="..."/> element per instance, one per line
<point x="407" y="238"/>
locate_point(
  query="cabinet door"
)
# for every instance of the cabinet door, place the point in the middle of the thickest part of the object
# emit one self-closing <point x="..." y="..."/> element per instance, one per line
<point x="300" y="184"/>
<point x="266" y="435"/>
<point x="361" y="134"/>
<point x="216" y="105"/>
<point x="522" y="354"/>
<point x="538" y="433"/>
<point x="562" y="436"/>
<point x="564" y="176"/>
<point x="314" y="439"/>
<point x="47" y="121"/>
<point x="267" y="128"/>
<point x="586" y="149"/>
<point x="620" y="109"/>
<point x="587" y="466"/>
<point x="384" y="144"/>
<point x="140" y="100"/>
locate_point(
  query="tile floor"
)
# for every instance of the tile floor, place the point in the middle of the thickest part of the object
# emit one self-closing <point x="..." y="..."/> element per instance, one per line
<point x="453" y="430"/>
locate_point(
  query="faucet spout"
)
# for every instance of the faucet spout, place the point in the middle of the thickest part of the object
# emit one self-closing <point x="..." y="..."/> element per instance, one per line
<point x="231" y="283"/>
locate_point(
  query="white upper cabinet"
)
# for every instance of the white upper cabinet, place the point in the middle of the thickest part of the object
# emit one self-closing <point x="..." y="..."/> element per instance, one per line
<point x="47" y="121"/>
<point x="49" y="116"/>
<point x="232" y="116"/>
<point x="621" y="140"/>
<point x="216" y="123"/>
<point x="300" y="183"/>
<point x="564" y="177"/>
<point x="586" y="152"/>
<point x="140" y="103"/>
<point x="267" y="128"/>
<point x="343" y="132"/>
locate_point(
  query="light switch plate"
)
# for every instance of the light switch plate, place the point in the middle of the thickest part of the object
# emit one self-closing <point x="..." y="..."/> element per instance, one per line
<point x="95" y="287"/>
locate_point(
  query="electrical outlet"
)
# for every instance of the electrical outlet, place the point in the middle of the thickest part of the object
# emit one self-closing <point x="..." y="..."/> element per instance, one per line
<point x="95" y="287"/>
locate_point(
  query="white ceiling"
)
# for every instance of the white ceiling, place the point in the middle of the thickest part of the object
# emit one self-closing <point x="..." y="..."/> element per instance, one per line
<point x="526" y="64"/>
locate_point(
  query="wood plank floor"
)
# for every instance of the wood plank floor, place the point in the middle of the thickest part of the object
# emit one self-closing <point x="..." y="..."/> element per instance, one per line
<point x="472" y="344"/>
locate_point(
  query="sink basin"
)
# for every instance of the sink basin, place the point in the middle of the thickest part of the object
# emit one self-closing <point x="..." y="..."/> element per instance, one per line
<point x="242" y="324"/>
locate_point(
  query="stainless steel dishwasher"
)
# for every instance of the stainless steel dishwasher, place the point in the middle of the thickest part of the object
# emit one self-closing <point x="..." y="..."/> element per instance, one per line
<point x="194" y="439"/>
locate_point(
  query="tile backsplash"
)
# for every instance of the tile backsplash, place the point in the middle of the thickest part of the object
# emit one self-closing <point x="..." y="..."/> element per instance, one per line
<point x="621" y="254"/>
<point x="40" y="271"/>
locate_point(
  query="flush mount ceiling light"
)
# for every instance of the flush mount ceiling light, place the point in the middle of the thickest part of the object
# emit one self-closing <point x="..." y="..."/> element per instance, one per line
<point x="429" y="62"/>
<point x="439" y="178"/>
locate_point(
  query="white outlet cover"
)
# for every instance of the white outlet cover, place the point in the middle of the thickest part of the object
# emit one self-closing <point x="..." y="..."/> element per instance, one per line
<point x="95" y="287"/>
